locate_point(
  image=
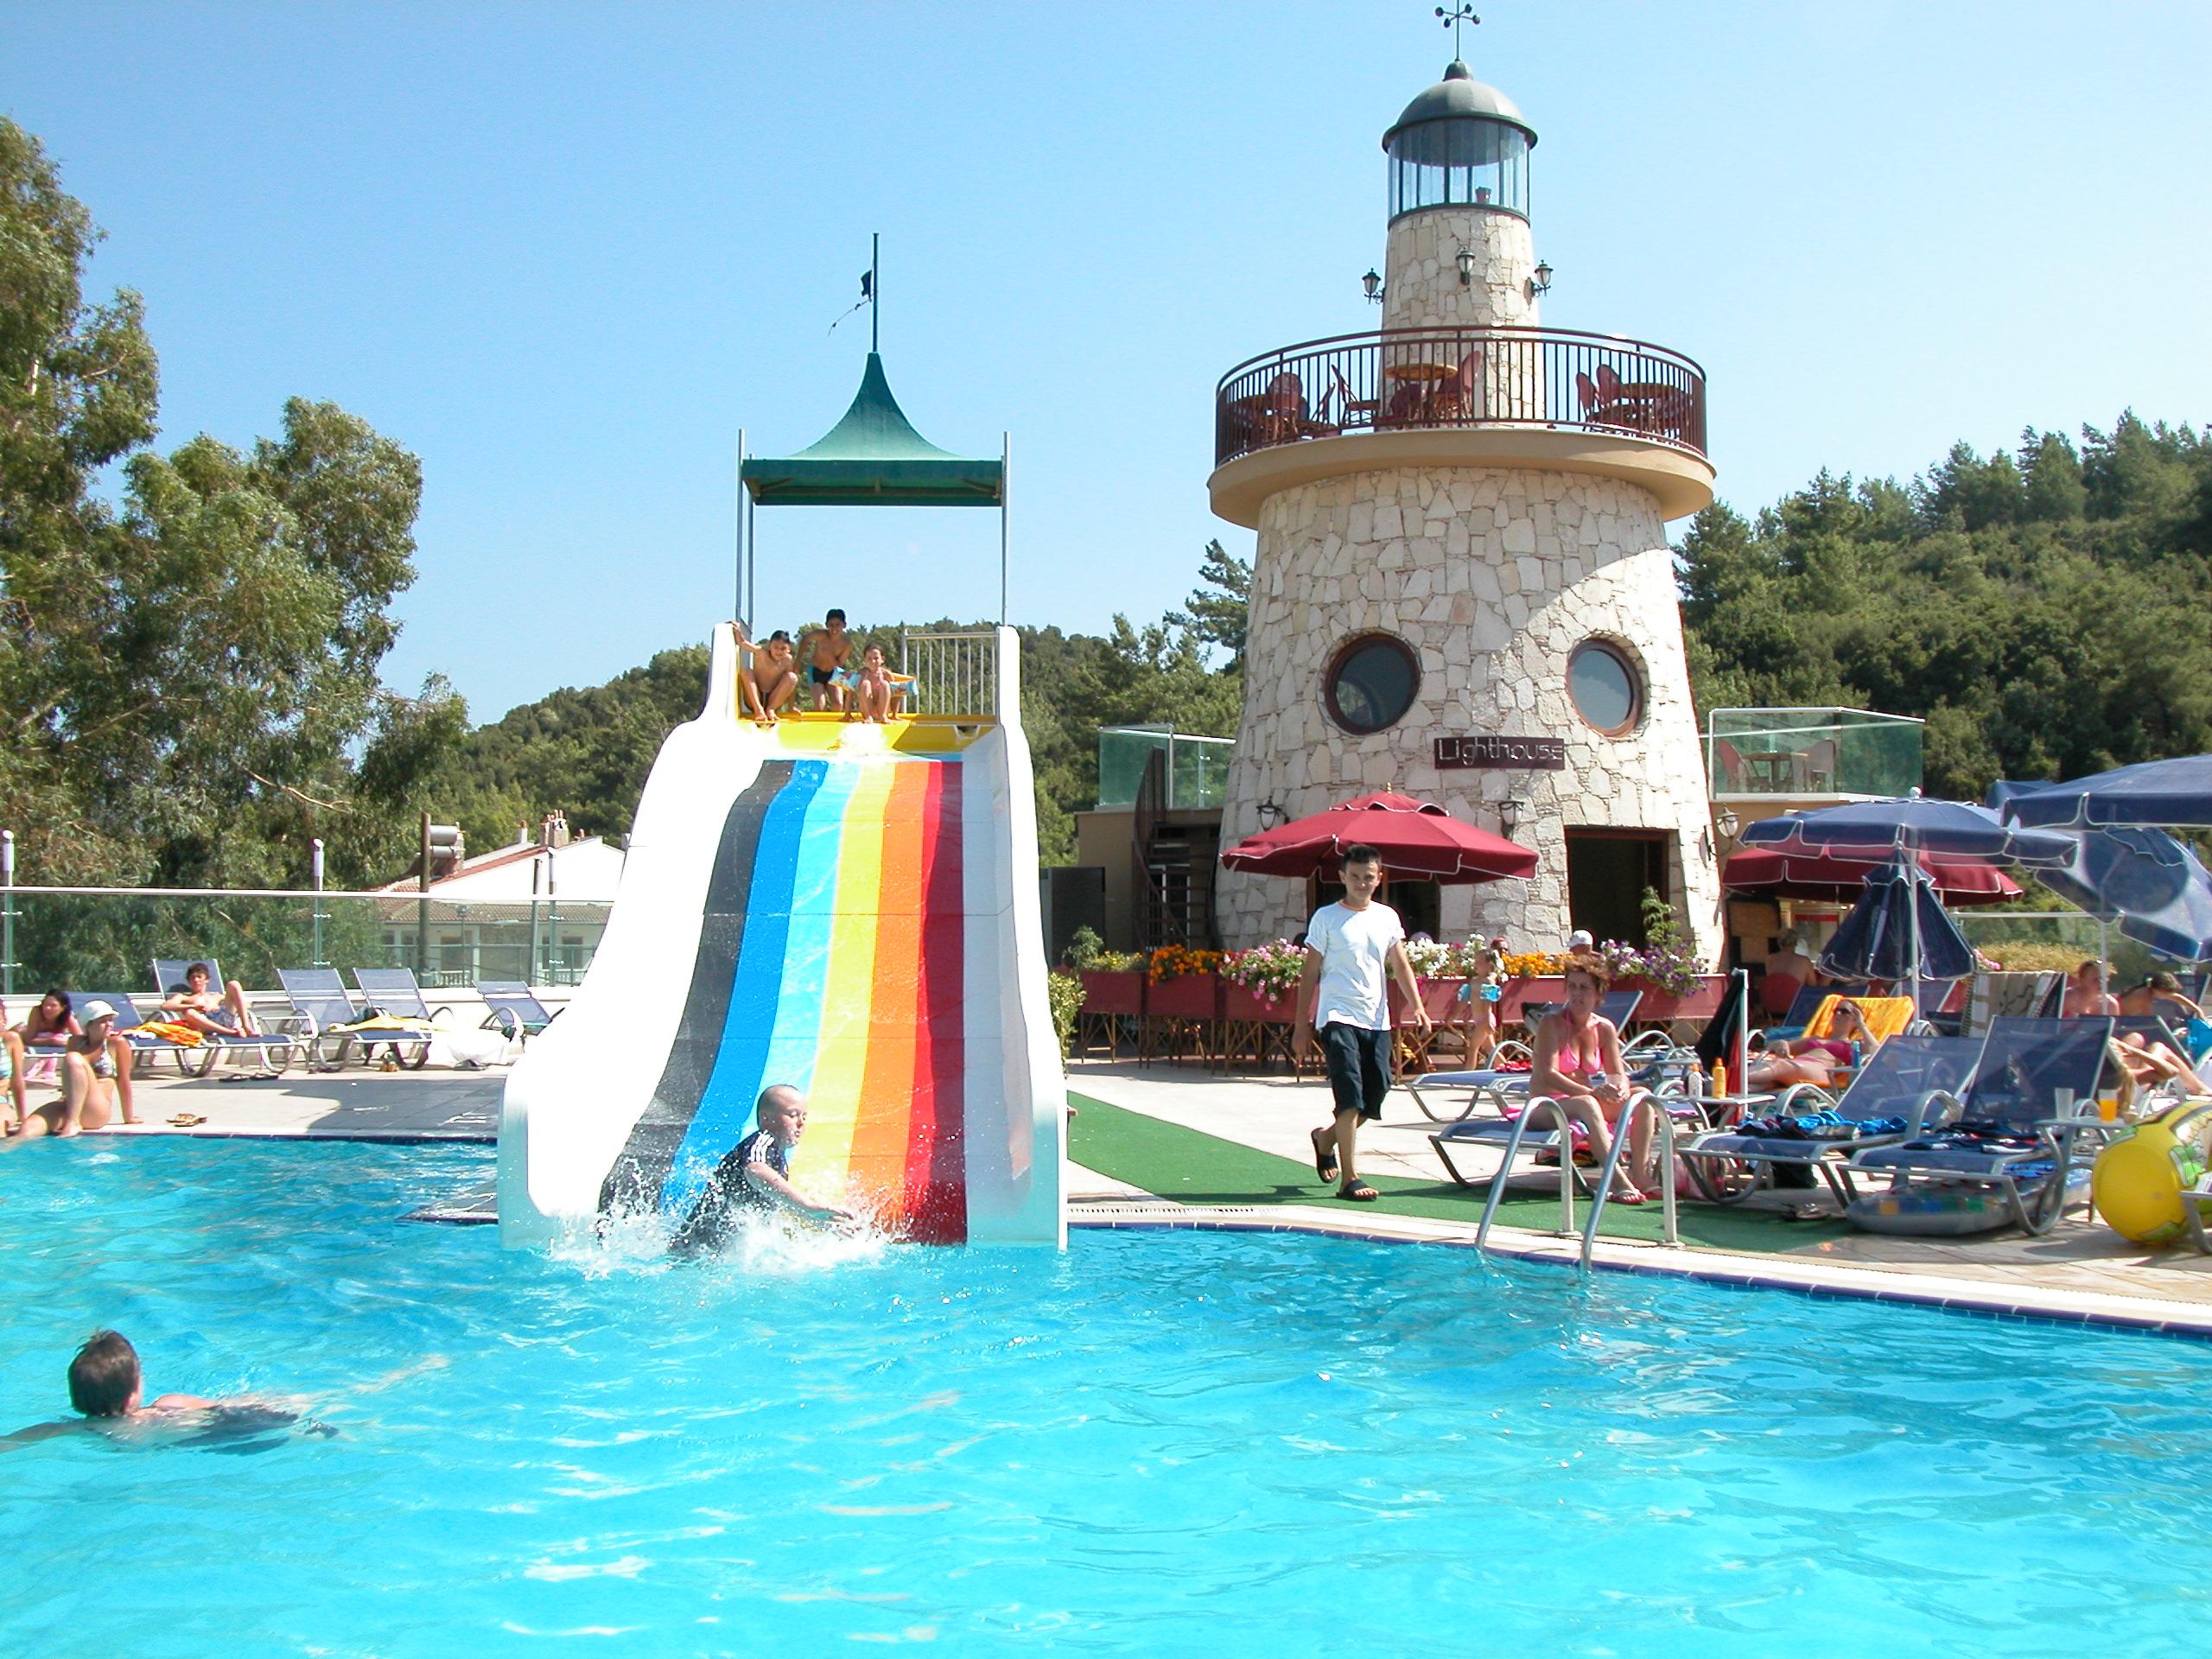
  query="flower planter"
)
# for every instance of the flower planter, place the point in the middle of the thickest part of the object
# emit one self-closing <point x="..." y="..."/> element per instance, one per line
<point x="1518" y="994"/>
<point x="1112" y="991"/>
<point x="1240" y="1002"/>
<point x="1659" y="1005"/>
<point x="1193" y="996"/>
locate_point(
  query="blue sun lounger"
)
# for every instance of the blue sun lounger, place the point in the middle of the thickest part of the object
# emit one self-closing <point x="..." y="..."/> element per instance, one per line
<point x="512" y="1008"/>
<point x="1890" y="1099"/>
<point x="1502" y="1086"/>
<point x="2008" y="1155"/>
<point x="270" y="1054"/>
<point x="320" y="997"/>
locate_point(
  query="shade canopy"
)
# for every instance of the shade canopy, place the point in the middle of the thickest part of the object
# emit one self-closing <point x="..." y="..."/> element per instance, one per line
<point x="2143" y="880"/>
<point x="2176" y="793"/>
<point x="1808" y="874"/>
<point x="873" y="458"/>
<point x="1416" y="838"/>
<point x="1883" y="938"/>
<point x="1877" y="830"/>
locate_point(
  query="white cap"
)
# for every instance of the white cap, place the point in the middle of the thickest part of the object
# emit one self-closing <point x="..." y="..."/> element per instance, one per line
<point x="96" y="1010"/>
<point x="1580" y="939"/>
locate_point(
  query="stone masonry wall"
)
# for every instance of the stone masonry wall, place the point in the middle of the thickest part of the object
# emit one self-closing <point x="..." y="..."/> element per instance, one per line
<point x="1422" y="269"/>
<point x="1493" y="577"/>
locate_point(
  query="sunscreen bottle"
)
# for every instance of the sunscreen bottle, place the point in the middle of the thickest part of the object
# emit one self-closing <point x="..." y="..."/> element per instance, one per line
<point x="1719" y="1077"/>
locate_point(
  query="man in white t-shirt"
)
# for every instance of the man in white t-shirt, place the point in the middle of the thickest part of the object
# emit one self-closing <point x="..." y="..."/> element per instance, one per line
<point x="1353" y="948"/>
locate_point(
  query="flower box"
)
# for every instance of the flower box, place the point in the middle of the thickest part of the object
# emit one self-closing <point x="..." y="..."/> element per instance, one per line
<point x="1191" y="996"/>
<point x="1240" y="1002"/>
<point x="1117" y="992"/>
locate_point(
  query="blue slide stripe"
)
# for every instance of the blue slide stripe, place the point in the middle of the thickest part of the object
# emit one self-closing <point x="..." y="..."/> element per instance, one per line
<point x="775" y="1006"/>
<point x="708" y="1136"/>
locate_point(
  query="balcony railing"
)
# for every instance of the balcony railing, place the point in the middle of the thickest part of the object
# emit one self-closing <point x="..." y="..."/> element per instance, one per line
<point x="1412" y="379"/>
<point x="1811" y="753"/>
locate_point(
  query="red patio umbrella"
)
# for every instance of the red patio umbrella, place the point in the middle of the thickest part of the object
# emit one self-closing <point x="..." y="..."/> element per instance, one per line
<point x="1416" y="838"/>
<point x="1807" y="873"/>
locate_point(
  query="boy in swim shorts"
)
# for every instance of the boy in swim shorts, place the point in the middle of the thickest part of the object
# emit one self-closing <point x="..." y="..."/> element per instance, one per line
<point x="828" y="653"/>
<point x="1353" y="949"/>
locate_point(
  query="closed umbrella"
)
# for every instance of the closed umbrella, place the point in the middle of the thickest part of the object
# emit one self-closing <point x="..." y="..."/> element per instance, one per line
<point x="2176" y="793"/>
<point x="2148" y="883"/>
<point x="1898" y="930"/>
<point x="1415" y="837"/>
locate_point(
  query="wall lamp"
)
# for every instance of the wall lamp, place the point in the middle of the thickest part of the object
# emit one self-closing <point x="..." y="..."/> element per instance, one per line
<point x="1373" y="283"/>
<point x="1467" y="258"/>
<point x="1509" y="815"/>
<point x="1539" y="283"/>
<point x="1270" y="813"/>
<point x="1727" y="822"/>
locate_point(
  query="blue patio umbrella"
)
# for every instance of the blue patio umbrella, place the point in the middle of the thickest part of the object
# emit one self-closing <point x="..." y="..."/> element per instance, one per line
<point x="1899" y="829"/>
<point x="2150" y="884"/>
<point x="1898" y="930"/>
<point x="2176" y="793"/>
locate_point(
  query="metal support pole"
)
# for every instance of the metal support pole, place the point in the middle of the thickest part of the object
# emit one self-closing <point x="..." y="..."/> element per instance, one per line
<point x="1005" y="471"/>
<point x="535" y="973"/>
<point x="737" y="576"/>
<point x="553" y="963"/>
<point x="752" y="562"/>
<point x="422" y="907"/>
<point x="315" y="855"/>
<point x="7" y="912"/>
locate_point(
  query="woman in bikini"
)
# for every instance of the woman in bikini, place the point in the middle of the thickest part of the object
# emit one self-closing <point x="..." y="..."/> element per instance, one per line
<point x="1577" y="1062"/>
<point x="1816" y="1059"/>
<point x="95" y="1081"/>
<point x="11" y="1074"/>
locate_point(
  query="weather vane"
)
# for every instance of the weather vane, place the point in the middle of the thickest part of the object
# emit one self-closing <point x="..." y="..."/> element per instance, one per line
<point x="1461" y="13"/>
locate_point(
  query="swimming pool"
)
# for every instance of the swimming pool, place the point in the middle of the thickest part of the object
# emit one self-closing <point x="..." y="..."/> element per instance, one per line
<point x="1158" y="1443"/>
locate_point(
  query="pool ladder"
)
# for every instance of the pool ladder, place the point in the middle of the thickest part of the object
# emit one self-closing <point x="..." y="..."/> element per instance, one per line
<point x="1642" y="1101"/>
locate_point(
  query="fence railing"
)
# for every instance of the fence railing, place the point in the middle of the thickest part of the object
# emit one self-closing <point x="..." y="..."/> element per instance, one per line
<point x="1414" y="379"/>
<point x="954" y="674"/>
<point x="79" y="939"/>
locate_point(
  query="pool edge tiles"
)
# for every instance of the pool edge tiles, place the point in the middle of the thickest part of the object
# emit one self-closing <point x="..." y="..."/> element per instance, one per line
<point x="1901" y="1285"/>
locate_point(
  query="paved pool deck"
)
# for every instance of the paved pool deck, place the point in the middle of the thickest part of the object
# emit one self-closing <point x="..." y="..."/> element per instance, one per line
<point x="1176" y="1146"/>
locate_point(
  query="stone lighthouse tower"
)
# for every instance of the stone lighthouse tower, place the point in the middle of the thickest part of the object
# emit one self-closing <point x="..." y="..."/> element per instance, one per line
<point x="1462" y="586"/>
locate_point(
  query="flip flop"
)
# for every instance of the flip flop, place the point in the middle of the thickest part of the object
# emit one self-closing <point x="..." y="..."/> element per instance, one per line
<point x="1325" y="1157"/>
<point x="188" y="1119"/>
<point x="1632" y="1197"/>
<point x="1359" y="1192"/>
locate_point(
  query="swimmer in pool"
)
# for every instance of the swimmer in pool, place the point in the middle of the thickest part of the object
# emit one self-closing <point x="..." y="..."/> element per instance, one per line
<point x="106" y="1386"/>
<point x="754" y="1180"/>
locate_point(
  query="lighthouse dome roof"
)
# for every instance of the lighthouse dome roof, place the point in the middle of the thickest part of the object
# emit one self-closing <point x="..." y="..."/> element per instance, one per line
<point x="1459" y="96"/>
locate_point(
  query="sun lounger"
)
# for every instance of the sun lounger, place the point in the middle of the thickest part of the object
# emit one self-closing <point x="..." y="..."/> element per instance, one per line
<point x="512" y="1008"/>
<point x="334" y="1024"/>
<point x="1889" y="1100"/>
<point x="1501" y="1085"/>
<point x="2007" y="1156"/>
<point x="270" y="1053"/>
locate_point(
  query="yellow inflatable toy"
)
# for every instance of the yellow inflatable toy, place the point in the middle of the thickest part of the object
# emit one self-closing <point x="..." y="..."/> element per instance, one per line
<point x="2139" y="1179"/>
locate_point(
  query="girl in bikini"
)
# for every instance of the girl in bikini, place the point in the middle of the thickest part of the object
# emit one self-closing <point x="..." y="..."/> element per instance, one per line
<point x="1816" y="1059"/>
<point x="1577" y="1062"/>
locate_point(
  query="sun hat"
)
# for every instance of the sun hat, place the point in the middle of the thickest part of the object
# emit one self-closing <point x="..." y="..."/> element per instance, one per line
<point x="96" y="1010"/>
<point x="1580" y="939"/>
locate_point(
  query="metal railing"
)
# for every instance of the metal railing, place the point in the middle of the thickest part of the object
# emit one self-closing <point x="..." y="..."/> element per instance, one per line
<point x="1404" y="379"/>
<point x="79" y="938"/>
<point x="954" y="674"/>
<point x="1623" y="1129"/>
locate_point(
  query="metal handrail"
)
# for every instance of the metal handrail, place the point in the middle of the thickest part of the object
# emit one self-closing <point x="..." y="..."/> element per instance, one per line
<point x="1513" y="1146"/>
<point x="1623" y="1129"/>
<point x="1431" y="378"/>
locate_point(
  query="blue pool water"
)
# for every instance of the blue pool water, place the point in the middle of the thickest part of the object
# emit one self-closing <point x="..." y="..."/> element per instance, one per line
<point x="1156" y="1444"/>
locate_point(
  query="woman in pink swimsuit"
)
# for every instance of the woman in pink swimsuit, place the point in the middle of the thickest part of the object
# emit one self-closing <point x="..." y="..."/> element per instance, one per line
<point x="1816" y="1059"/>
<point x="1577" y="1062"/>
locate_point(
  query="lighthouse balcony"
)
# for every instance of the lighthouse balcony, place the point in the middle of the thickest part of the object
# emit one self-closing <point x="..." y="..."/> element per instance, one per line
<point x="1491" y="397"/>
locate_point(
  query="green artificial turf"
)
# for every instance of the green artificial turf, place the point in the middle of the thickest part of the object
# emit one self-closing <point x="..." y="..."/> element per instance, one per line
<point x="1194" y="1167"/>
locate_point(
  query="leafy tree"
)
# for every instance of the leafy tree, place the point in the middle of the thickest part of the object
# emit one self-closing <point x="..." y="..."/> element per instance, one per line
<point x="1219" y="617"/>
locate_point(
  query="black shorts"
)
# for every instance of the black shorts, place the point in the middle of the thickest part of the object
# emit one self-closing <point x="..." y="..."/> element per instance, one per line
<point x="821" y="676"/>
<point x="1359" y="1067"/>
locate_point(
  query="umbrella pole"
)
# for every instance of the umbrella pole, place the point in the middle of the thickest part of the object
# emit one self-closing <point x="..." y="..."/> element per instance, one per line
<point x="1912" y="894"/>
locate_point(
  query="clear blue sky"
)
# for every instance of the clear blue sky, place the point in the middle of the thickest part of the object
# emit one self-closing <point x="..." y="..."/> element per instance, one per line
<point x="564" y="252"/>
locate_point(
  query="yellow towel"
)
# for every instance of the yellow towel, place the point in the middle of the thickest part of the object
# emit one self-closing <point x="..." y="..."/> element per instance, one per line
<point x="169" y="1031"/>
<point x="1885" y="1016"/>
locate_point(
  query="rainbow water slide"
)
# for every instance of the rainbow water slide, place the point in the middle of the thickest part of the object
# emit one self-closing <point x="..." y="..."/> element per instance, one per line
<point x="848" y="908"/>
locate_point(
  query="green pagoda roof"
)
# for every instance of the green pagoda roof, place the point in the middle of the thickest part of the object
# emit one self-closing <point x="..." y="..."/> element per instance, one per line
<point x="873" y="458"/>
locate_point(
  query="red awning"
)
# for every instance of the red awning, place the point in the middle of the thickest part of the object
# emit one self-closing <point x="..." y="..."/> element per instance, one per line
<point x="1809" y="874"/>
<point x="1416" y="838"/>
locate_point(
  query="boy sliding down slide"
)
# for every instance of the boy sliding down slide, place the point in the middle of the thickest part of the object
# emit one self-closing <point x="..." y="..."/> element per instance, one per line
<point x="754" y="1180"/>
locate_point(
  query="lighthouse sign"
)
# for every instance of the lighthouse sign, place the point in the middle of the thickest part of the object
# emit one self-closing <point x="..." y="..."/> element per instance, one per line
<point x="1532" y="754"/>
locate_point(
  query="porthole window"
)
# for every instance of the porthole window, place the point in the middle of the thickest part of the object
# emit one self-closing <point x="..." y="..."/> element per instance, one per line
<point x="1606" y="689"/>
<point x="1371" y="683"/>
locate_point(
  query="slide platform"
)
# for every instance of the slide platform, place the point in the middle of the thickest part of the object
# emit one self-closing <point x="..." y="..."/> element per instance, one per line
<point x="846" y="908"/>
